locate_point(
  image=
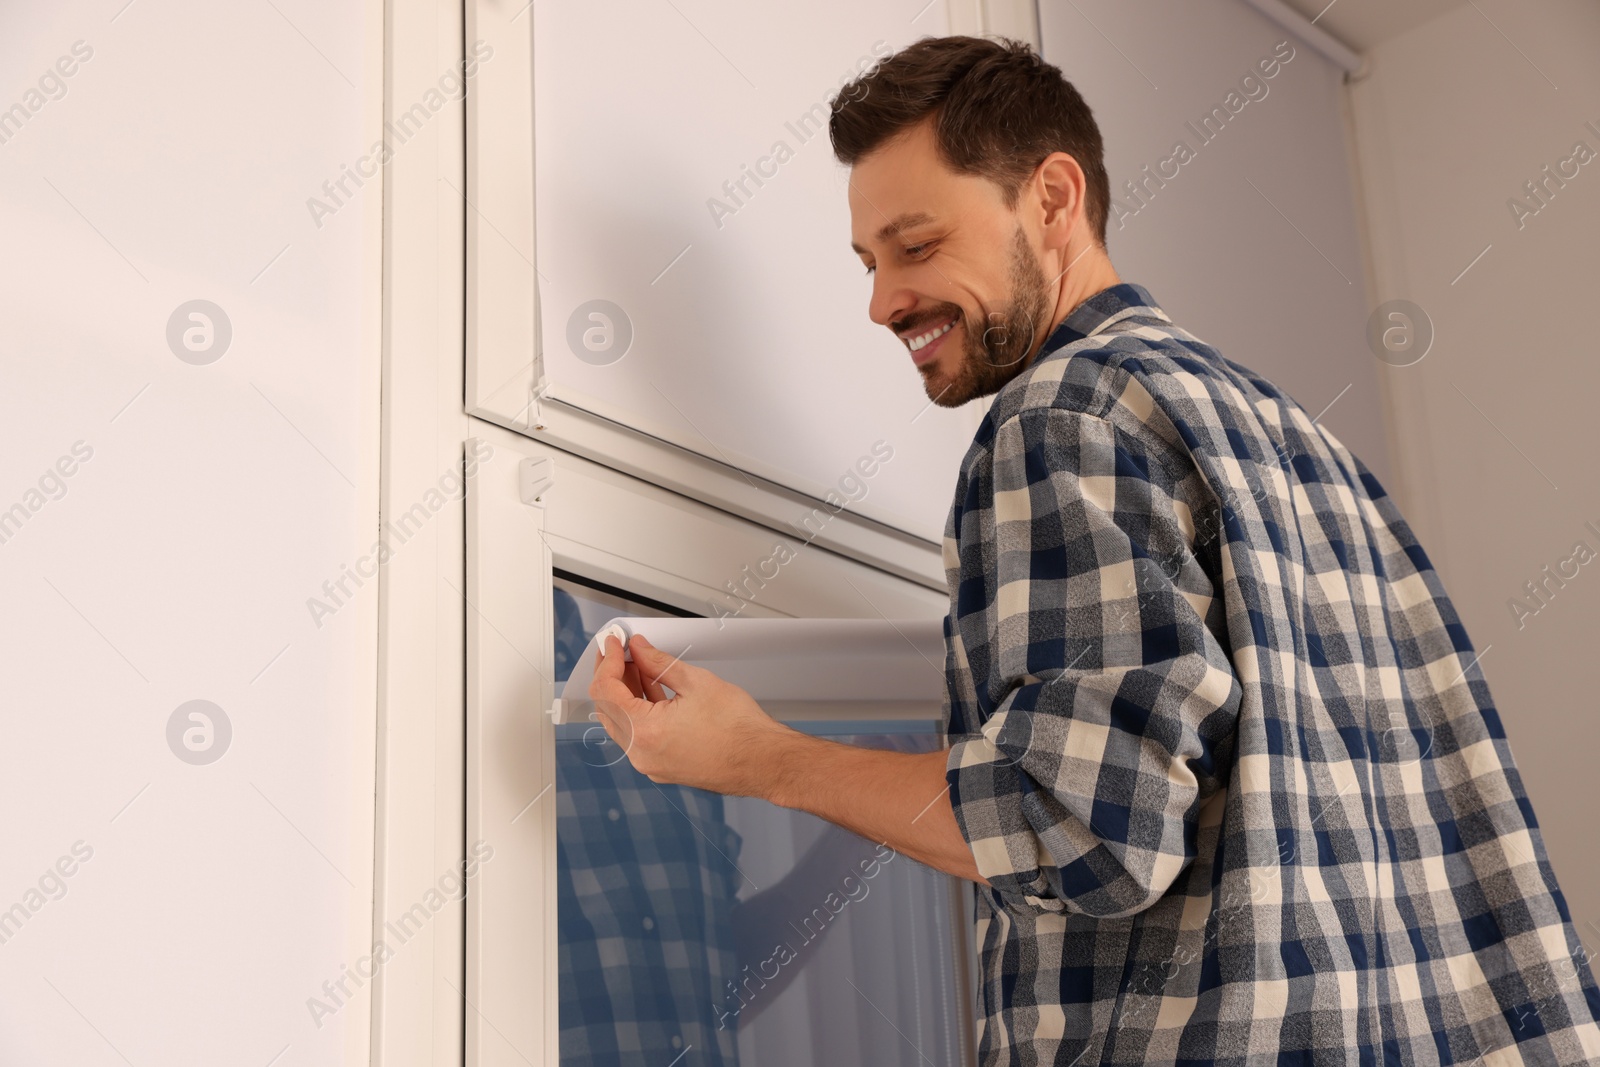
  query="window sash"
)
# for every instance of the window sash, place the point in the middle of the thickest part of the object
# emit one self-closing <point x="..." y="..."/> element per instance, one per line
<point x="608" y="527"/>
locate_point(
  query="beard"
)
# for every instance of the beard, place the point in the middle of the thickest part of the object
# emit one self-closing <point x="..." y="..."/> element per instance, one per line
<point x="999" y="352"/>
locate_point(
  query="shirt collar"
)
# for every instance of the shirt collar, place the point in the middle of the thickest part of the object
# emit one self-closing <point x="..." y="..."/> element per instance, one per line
<point x="1099" y="311"/>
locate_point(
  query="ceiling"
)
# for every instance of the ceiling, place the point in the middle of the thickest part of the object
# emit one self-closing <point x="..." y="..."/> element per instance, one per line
<point x="1364" y="23"/>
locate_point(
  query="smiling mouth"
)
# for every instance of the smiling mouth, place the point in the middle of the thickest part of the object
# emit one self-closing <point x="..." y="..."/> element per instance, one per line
<point x="925" y="344"/>
<point x="920" y="341"/>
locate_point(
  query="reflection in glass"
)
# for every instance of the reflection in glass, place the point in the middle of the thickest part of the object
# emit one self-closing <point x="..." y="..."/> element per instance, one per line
<point x="698" y="929"/>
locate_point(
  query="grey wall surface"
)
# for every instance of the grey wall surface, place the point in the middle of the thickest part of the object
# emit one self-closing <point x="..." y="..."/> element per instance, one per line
<point x="1496" y="425"/>
<point x="1252" y="243"/>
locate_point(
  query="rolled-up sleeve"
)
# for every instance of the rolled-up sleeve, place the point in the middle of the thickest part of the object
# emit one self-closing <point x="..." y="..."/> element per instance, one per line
<point x="1105" y="706"/>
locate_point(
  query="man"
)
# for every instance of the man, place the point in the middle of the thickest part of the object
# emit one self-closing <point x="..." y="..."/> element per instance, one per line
<point x="1221" y="764"/>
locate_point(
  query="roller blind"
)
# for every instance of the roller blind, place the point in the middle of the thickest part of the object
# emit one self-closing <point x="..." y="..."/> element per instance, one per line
<point x="794" y="668"/>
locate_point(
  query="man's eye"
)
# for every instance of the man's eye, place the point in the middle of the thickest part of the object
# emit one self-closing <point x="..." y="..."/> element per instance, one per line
<point x="910" y="252"/>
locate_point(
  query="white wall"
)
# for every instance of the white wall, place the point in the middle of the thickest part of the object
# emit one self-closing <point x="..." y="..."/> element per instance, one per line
<point x="1496" y="426"/>
<point x="1254" y="244"/>
<point x="178" y="561"/>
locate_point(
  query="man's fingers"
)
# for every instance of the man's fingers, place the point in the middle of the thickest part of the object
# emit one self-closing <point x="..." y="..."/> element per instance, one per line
<point x="609" y="664"/>
<point x="630" y="676"/>
<point x="651" y="668"/>
<point x="615" y="721"/>
<point x="611" y="677"/>
<point x="646" y="678"/>
<point x="657" y="668"/>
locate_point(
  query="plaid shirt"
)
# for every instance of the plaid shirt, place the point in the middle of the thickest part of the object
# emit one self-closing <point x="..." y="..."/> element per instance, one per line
<point x="1219" y="743"/>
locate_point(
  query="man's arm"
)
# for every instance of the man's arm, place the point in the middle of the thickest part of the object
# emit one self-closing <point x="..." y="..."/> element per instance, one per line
<point x="712" y="735"/>
<point x="898" y="798"/>
<point x="1083" y="790"/>
<point x="1112" y="703"/>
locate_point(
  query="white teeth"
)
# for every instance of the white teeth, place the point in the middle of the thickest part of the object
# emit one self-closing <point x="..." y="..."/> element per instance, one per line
<point x="918" y="342"/>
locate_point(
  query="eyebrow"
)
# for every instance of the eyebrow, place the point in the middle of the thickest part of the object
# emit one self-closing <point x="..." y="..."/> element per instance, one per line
<point x="906" y="221"/>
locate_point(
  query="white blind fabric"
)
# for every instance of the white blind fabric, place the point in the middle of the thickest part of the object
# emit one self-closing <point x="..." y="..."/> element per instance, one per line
<point x="794" y="668"/>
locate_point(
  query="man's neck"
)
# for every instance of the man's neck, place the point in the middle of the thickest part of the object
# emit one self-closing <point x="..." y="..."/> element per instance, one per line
<point x="1089" y="272"/>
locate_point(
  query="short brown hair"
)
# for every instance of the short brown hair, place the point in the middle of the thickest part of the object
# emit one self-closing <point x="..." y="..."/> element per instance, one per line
<point x="1001" y="110"/>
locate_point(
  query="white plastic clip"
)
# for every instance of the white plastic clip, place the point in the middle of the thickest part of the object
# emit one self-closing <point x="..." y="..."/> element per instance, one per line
<point x="535" y="477"/>
<point x="614" y="630"/>
<point x="541" y="389"/>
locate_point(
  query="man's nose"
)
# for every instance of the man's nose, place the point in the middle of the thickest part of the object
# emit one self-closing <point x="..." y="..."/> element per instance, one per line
<point x="890" y="300"/>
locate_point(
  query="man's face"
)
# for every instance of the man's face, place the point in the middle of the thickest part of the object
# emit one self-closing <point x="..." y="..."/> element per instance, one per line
<point x="955" y="275"/>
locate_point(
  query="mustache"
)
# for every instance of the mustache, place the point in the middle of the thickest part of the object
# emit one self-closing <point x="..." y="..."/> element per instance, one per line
<point x="933" y="315"/>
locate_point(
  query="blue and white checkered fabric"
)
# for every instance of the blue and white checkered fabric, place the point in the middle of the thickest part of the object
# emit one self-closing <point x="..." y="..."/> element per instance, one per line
<point x="646" y="886"/>
<point x="1219" y="743"/>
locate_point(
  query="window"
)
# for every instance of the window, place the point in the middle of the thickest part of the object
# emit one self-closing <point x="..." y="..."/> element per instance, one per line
<point x="730" y="927"/>
<point x="633" y="326"/>
<point x="620" y="921"/>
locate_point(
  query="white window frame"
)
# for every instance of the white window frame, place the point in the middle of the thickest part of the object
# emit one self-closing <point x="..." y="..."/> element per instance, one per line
<point x="613" y="528"/>
<point x="505" y="377"/>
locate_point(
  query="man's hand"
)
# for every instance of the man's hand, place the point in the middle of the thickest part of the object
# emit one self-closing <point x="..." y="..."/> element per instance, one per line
<point x="710" y="734"/>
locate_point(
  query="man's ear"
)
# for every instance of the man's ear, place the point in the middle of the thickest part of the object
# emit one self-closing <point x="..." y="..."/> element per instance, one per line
<point x="1062" y="190"/>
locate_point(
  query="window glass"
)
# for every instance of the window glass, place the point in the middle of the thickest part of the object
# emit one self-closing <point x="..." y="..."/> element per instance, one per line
<point x="698" y="929"/>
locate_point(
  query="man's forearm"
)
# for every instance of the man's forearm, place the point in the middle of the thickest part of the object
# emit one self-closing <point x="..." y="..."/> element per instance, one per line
<point x="898" y="798"/>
